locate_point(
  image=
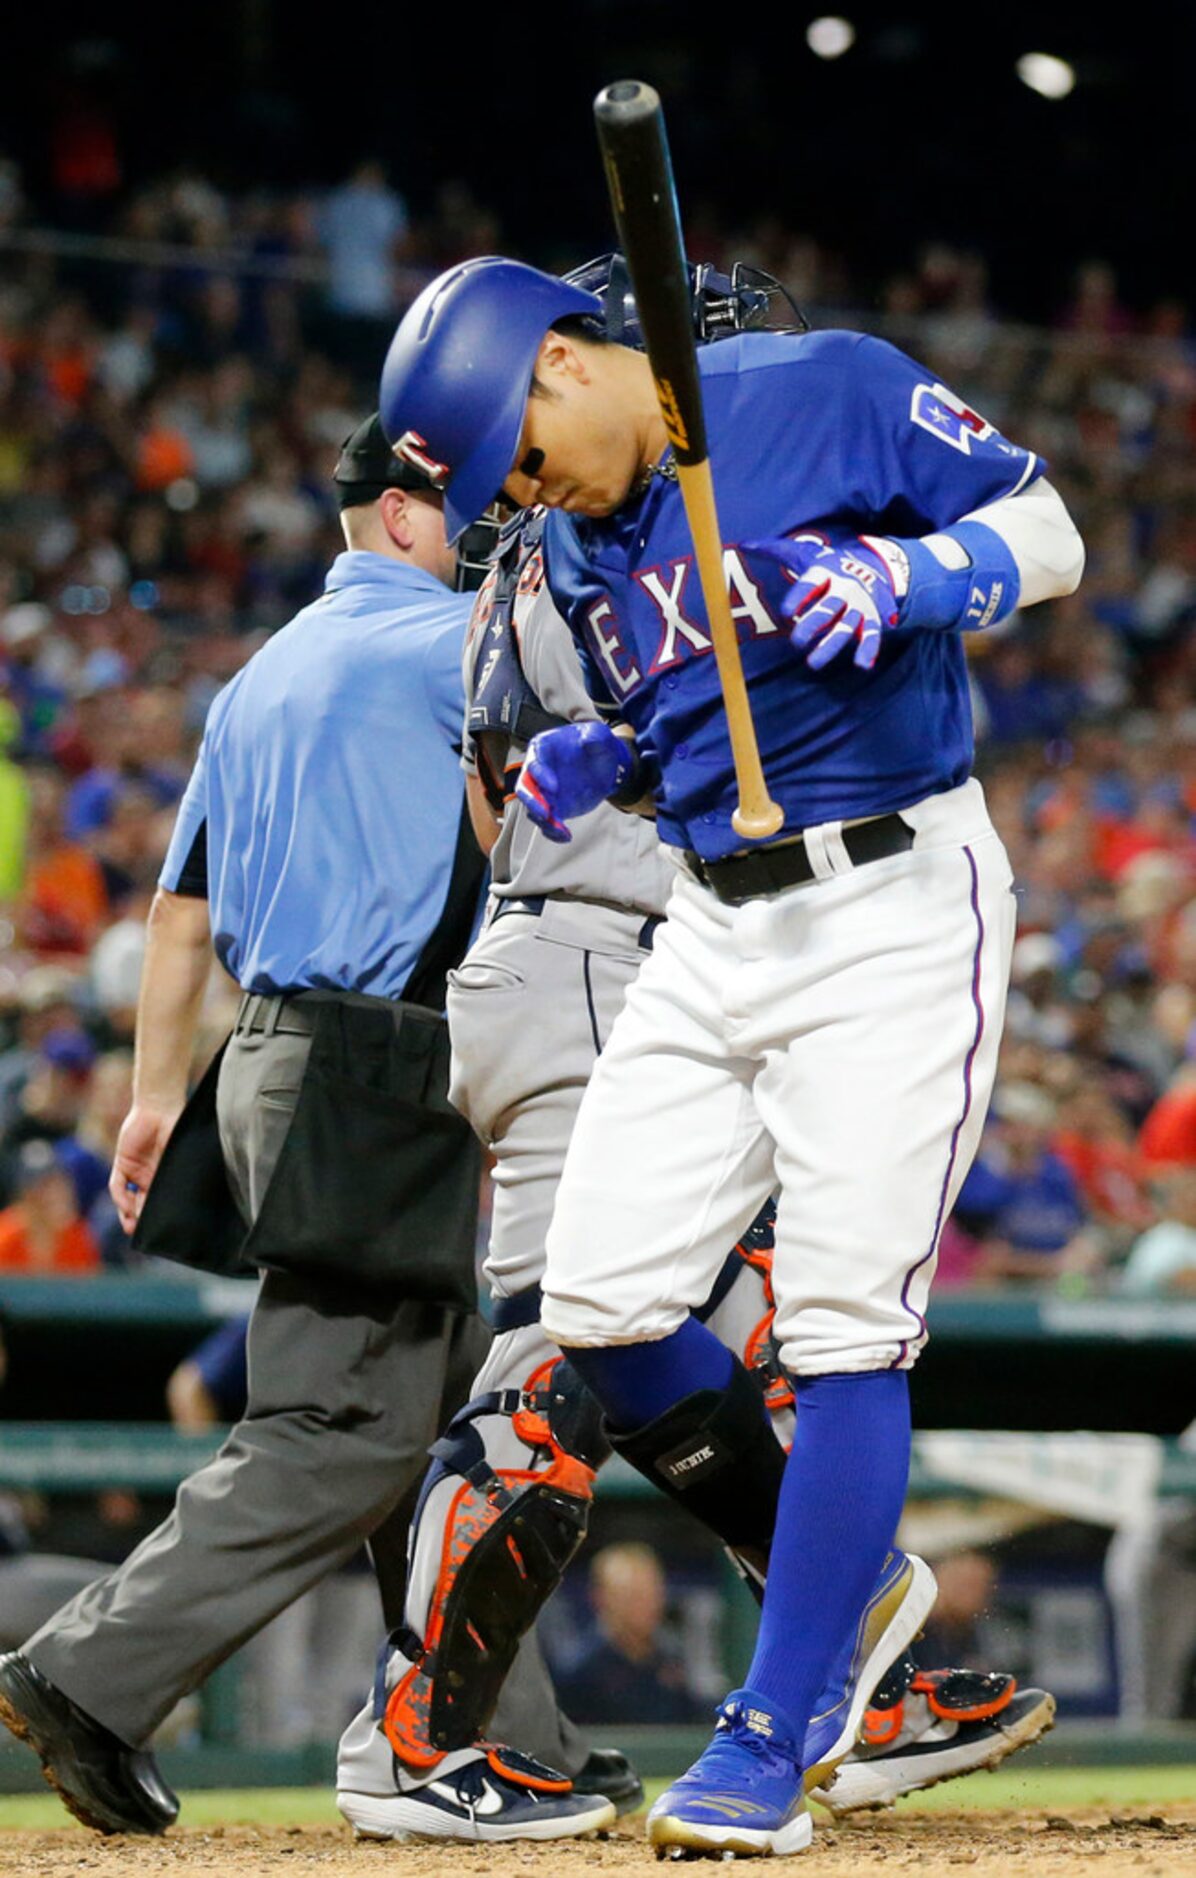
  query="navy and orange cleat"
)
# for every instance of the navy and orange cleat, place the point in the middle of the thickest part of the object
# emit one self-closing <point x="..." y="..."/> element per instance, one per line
<point x="482" y="1795"/>
<point x="927" y="1726"/>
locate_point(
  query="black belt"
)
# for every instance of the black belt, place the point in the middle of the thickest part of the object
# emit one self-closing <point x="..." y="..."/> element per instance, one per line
<point x="769" y="870"/>
<point x="535" y="903"/>
<point x="262" y="1013"/>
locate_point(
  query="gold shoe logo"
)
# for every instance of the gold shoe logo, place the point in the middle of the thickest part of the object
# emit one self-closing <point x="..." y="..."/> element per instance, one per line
<point x="731" y="1804"/>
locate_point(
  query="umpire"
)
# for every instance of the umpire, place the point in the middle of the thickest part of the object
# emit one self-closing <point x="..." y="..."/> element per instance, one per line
<point x="323" y="849"/>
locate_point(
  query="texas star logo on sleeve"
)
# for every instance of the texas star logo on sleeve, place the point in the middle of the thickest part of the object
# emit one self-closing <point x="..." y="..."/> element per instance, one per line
<point x="948" y="418"/>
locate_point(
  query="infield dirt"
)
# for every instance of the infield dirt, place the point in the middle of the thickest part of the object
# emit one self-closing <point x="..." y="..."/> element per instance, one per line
<point x="1143" y="1844"/>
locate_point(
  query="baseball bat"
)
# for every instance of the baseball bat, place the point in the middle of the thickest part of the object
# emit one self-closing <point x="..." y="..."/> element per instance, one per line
<point x="639" y="175"/>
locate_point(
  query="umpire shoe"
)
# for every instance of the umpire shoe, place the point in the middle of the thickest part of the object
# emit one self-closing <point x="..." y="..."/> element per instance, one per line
<point x="744" y="1796"/>
<point x="900" y="1603"/>
<point x="481" y="1794"/>
<point x="98" y="1777"/>
<point x="609" y="1773"/>
<point x="926" y="1726"/>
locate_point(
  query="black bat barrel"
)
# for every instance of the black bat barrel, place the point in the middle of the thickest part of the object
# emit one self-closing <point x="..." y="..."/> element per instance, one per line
<point x="639" y="173"/>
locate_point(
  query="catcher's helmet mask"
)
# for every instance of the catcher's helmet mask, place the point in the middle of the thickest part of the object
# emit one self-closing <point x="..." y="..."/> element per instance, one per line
<point x="746" y="300"/>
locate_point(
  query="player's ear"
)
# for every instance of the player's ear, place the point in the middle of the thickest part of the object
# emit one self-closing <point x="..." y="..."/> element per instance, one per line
<point x="558" y="361"/>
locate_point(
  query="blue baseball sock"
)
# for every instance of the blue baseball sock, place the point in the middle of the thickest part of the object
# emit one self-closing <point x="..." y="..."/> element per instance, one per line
<point x="636" y="1382"/>
<point x="841" y="1499"/>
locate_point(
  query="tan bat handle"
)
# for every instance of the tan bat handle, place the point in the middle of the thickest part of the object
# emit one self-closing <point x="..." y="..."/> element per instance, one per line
<point x="639" y="175"/>
<point x="756" y="816"/>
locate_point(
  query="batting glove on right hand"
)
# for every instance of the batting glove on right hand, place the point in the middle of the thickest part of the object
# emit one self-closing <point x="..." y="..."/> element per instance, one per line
<point x="852" y="591"/>
<point x="569" y="772"/>
<point x="844" y="594"/>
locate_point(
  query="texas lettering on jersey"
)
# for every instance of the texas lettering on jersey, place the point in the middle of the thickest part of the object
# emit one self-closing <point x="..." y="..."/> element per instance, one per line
<point x="681" y="634"/>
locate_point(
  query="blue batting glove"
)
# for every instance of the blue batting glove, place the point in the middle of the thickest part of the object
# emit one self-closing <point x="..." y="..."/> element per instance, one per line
<point x="844" y="594"/>
<point x="852" y="591"/>
<point x="569" y="772"/>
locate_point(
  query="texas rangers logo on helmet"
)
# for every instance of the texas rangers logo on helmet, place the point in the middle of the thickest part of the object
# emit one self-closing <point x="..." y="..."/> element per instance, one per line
<point x="414" y="450"/>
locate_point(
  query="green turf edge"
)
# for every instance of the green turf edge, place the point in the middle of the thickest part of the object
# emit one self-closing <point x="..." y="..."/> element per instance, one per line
<point x="1047" y="1788"/>
<point x="251" y="1806"/>
<point x="1060" y="1787"/>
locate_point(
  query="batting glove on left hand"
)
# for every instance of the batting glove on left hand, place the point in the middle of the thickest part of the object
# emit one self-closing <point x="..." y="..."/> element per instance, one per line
<point x="569" y="772"/>
<point x="844" y="594"/>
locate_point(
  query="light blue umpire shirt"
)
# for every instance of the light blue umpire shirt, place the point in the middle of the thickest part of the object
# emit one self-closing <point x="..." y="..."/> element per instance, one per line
<point x="324" y="819"/>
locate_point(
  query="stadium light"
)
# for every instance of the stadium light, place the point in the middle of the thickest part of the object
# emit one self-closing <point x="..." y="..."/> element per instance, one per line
<point x="1048" y="76"/>
<point x="830" y="37"/>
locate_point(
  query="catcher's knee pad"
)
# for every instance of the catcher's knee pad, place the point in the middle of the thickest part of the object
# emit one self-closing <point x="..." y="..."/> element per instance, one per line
<point x="509" y="1535"/>
<point x="714" y="1452"/>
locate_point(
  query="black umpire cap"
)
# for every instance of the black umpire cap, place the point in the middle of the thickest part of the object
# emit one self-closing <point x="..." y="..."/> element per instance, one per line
<point x="367" y="465"/>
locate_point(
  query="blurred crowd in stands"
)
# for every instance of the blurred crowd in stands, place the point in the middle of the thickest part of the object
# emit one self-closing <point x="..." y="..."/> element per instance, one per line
<point x="170" y="410"/>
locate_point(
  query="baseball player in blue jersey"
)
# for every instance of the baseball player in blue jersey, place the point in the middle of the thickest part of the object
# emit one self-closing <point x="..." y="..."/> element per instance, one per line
<point x="819" y="1015"/>
<point x="567" y="930"/>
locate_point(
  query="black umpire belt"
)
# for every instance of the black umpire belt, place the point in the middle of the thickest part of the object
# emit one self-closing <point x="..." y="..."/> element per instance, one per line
<point x="752" y="876"/>
<point x="297" y="1013"/>
<point x="262" y="1013"/>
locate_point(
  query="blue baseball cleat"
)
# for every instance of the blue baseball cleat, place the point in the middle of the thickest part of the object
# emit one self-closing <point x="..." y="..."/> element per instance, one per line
<point x="893" y="1616"/>
<point x="744" y="1796"/>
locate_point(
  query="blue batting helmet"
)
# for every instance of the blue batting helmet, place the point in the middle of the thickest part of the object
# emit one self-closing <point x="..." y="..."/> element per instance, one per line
<point x="456" y="378"/>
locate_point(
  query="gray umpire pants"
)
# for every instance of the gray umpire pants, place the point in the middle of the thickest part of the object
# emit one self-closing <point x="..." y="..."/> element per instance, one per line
<point x="346" y="1392"/>
<point x="33" y="1585"/>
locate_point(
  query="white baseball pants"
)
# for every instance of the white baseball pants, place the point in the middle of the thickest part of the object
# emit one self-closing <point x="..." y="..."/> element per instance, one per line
<point x="837" y="1042"/>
